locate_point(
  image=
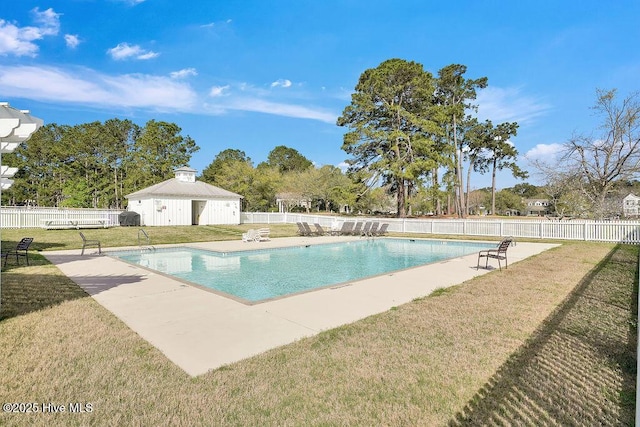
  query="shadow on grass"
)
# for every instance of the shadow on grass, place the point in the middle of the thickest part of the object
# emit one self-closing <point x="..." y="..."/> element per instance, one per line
<point x="36" y="246"/>
<point x="40" y="285"/>
<point x="26" y="293"/>
<point x="579" y="367"/>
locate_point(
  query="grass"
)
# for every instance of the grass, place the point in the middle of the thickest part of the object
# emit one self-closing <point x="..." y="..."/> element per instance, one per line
<point x="550" y="340"/>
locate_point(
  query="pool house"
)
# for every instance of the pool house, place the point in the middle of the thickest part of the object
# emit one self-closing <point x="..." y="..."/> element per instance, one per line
<point x="183" y="200"/>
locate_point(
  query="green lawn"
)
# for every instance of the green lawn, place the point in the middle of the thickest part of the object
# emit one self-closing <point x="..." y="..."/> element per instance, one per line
<point x="549" y="341"/>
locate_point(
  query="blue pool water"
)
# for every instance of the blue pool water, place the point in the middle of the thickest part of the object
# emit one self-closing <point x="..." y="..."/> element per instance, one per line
<point x="263" y="274"/>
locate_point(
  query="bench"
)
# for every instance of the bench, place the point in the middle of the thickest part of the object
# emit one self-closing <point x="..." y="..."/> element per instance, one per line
<point x="262" y="234"/>
<point x="53" y="224"/>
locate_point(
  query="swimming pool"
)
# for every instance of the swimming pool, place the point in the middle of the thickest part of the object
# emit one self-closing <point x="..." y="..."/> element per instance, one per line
<point x="258" y="275"/>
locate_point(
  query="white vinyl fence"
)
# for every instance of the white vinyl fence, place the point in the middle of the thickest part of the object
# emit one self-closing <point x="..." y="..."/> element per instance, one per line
<point x="20" y="217"/>
<point x="596" y="231"/>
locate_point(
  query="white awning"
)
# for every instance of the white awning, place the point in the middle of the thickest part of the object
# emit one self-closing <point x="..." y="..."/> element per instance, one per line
<point x="7" y="172"/>
<point x="5" y="183"/>
<point x="16" y="126"/>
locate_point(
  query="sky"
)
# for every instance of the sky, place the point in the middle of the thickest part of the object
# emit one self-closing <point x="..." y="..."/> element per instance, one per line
<point x="254" y="74"/>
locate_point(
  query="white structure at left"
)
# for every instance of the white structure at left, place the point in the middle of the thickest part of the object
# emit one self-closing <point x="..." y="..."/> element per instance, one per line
<point x="16" y="126"/>
<point x="184" y="201"/>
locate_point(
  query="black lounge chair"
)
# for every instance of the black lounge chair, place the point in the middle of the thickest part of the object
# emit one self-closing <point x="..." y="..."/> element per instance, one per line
<point x="347" y="228"/>
<point x="499" y="253"/>
<point x="366" y="228"/>
<point x="307" y="229"/>
<point x="381" y="231"/>
<point x="357" y="229"/>
<point x="90" y="243"/>
<point x="22" y="249"/>
<point x="302" y="230"/>
<point x="374" y="229"/>
<point x="319" y="230"/>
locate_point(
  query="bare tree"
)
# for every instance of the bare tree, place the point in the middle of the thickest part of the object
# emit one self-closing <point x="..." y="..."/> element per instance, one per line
<point x="596" y="163"/>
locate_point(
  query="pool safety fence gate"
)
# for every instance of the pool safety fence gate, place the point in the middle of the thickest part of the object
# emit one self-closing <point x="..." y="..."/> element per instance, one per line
<point x="575" y="229"/>
<point x="24" y="217"/>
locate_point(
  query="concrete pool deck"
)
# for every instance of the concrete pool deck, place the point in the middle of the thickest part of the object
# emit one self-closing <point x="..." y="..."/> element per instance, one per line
<point x="200" y="330"/>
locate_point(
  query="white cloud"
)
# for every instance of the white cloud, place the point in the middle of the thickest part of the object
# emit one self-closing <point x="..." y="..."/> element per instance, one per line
<point x="508" y="105"/>
<point x="184" y="73"/>
<point x="218" y="91"/>
<point x="281" y="109"/>
<point x="72" y="40"/>
<point x="543" y="151"/>
<point x="49" y="21"/>
<point x="220" y="24"/>
<point x="87" y="87"/>
<point x="19" y="41"/>
<point x="281" y="83"/>
<point x="132" y="2"/>
<point x="125" y="51"/>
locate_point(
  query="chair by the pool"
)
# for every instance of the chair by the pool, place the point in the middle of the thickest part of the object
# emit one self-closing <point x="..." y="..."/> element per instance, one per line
<point x="374" y="229"/>
<point x="499" y="253"/>
<point x="319" y="230"/>
<point x="347" y="228"/>
<point x="382" y="230"/>
<point x="307" y="229"/>
<point x="301" y="229"/>
<point x="22" y="249"/>
<point x="249" y="236"/>
<point x="366" y="228"/>
<point x="357" y="229"/>
<point x="90" y="243"/>
<point x="262" y="234"/>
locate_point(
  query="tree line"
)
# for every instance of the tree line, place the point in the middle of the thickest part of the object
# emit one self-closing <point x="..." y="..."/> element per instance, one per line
<point x="93" y="165"/>
<point x="411" y="139"/>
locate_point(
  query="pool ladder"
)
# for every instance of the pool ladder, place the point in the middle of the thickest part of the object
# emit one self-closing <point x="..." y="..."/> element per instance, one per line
<point x="148" y="247"/>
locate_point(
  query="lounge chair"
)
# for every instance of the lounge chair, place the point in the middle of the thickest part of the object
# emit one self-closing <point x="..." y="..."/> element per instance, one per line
<point x="381" y="231"/>
<point x="374" y="229"/>
<point x="366" y="228"/>
<point x="262" y="234"/>
<point x="319" y="230"/>
<point x="307" y="229"/>
<point x="357" y="229"/>
<point x="499" y="253"/>
<point x="90" y="243"/>
<point x="22" y="249"/>
<point x="347" y="228"/>
<point x="249" y="236"/>
<point x="301" y="230"/>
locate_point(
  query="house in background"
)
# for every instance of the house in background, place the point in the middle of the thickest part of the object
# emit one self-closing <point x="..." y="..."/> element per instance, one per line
<point x="536" y="207"/>
<point x="184" y="201"/>
<point x="631" y="205"/>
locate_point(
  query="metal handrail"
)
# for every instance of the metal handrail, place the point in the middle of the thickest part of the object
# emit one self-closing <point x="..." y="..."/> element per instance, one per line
<point x="145" y="235"/>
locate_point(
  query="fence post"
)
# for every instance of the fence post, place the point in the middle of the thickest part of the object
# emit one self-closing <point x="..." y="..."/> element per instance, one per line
<point x="541" y="233"/>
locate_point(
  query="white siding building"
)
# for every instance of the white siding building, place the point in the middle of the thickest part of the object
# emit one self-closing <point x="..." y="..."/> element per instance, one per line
<point x="631" y="205"/>
<point x="184" y="201"/>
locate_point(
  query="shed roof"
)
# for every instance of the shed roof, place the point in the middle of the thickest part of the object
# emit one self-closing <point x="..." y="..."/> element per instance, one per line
<point x="176" y="188"/>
